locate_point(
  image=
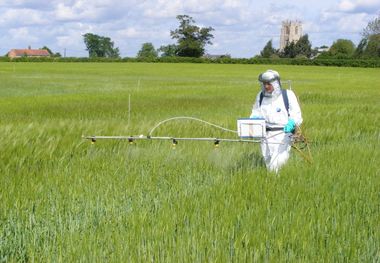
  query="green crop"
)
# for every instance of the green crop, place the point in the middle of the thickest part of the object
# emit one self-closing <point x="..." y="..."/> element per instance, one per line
<point x="64" y="199"/>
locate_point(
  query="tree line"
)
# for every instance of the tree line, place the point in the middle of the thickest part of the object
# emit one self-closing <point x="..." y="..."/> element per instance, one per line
<point x="191" y="41"/>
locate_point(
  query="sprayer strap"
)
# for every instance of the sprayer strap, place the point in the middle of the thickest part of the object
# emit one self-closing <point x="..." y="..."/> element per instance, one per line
<point x="284" y="97"/>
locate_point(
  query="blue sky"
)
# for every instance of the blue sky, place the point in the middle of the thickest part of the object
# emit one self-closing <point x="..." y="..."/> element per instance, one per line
<point x="242" y="28"/>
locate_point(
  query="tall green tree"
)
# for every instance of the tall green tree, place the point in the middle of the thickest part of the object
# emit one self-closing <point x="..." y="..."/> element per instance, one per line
<point x="372" y="49"/>
<point x="191" y="39"/>
<point x="51" y="52"/>
<point x="289" y="50"/>
<point x="342" y="48"/>
<point x="99" y="46"/>
<point x="47" y="49"/>
<point x="168" y="50"/>
<point x="268" y="50"/>
<point x="301" y="48"/>
<point x="147" y="51"/>
<point x="373" y="28"/>
<point x="359" y="51"/>
<point x="369" y="46"/>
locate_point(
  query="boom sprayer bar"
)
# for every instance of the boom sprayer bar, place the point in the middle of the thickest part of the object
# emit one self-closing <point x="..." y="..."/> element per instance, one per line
<point x="299" y="142"/>
<point x="132" y="139"/>
<point x="217" y="141"/>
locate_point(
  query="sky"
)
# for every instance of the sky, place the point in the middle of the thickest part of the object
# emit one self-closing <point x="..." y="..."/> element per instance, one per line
<point x="241" y="28"/>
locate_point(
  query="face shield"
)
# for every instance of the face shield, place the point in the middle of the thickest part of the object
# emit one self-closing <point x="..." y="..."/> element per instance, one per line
<point x="272" y="77"/>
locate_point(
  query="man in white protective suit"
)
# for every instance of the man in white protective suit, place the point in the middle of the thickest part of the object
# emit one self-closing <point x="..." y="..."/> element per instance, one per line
<point x="282" y="113"/>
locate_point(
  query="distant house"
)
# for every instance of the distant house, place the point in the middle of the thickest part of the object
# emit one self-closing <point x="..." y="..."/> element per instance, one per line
<point x="323" y="49"/>
<point x="213" y="57"/>
<point x="320" y="50"/>
<point x="17" y="53"/>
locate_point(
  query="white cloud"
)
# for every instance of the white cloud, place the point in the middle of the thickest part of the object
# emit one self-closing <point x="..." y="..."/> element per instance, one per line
<point x="130" y="32"/>
<point x="347" y="19"/>
<point x="346" y="6"/>
<point x="78" y="12"/>
<point x="37" y="4"/>
<point x="22" y="35"/>
<point x="233" y="3"/>
<point x="162" y="9"/>
<point x="229" y="21"/>
<point x="11" y="18"/>
<point x="364" y="6"/>
<point x="64" y="12"/>
<point x="352" y="23"/>
<point x="69" y="40"/>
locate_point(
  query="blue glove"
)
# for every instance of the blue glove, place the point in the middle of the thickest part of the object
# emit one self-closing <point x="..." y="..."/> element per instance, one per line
<point x="256" y="117"/>
<point x="290" y="126"/>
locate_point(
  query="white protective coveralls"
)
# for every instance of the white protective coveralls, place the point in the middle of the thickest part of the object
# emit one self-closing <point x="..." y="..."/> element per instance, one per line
<point x="276" y="148"/>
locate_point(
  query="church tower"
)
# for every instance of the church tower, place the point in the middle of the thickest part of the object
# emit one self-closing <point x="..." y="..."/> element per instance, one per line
<point x="290" y="31"/>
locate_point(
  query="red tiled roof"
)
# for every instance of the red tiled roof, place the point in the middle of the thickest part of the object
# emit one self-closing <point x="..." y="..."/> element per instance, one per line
<point x="28" y="52"/>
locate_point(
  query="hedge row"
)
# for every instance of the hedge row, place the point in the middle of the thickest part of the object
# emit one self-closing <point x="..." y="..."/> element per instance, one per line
<point x="366" y="63"/>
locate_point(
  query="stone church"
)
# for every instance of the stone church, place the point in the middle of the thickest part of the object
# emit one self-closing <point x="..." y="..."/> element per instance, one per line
<point x="290" y="31"/>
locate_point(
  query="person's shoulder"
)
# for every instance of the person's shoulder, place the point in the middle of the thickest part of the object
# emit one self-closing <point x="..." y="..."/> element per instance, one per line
<point x="290" y="92"/>
<point x="258" y="94"/>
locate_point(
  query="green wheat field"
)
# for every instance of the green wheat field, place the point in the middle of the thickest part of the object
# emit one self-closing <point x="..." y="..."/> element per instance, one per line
<point x="63" y="199"/>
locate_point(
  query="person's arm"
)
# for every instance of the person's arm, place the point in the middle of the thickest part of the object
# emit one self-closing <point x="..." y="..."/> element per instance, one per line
<point x="294" y="108"/>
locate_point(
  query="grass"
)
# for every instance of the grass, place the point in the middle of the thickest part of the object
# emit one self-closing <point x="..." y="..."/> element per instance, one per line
<point x="63" y="199"/>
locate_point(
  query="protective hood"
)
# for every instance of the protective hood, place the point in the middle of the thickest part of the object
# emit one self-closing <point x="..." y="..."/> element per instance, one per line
<point x="276" y="89"/>
<point x="272" y="77"/>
